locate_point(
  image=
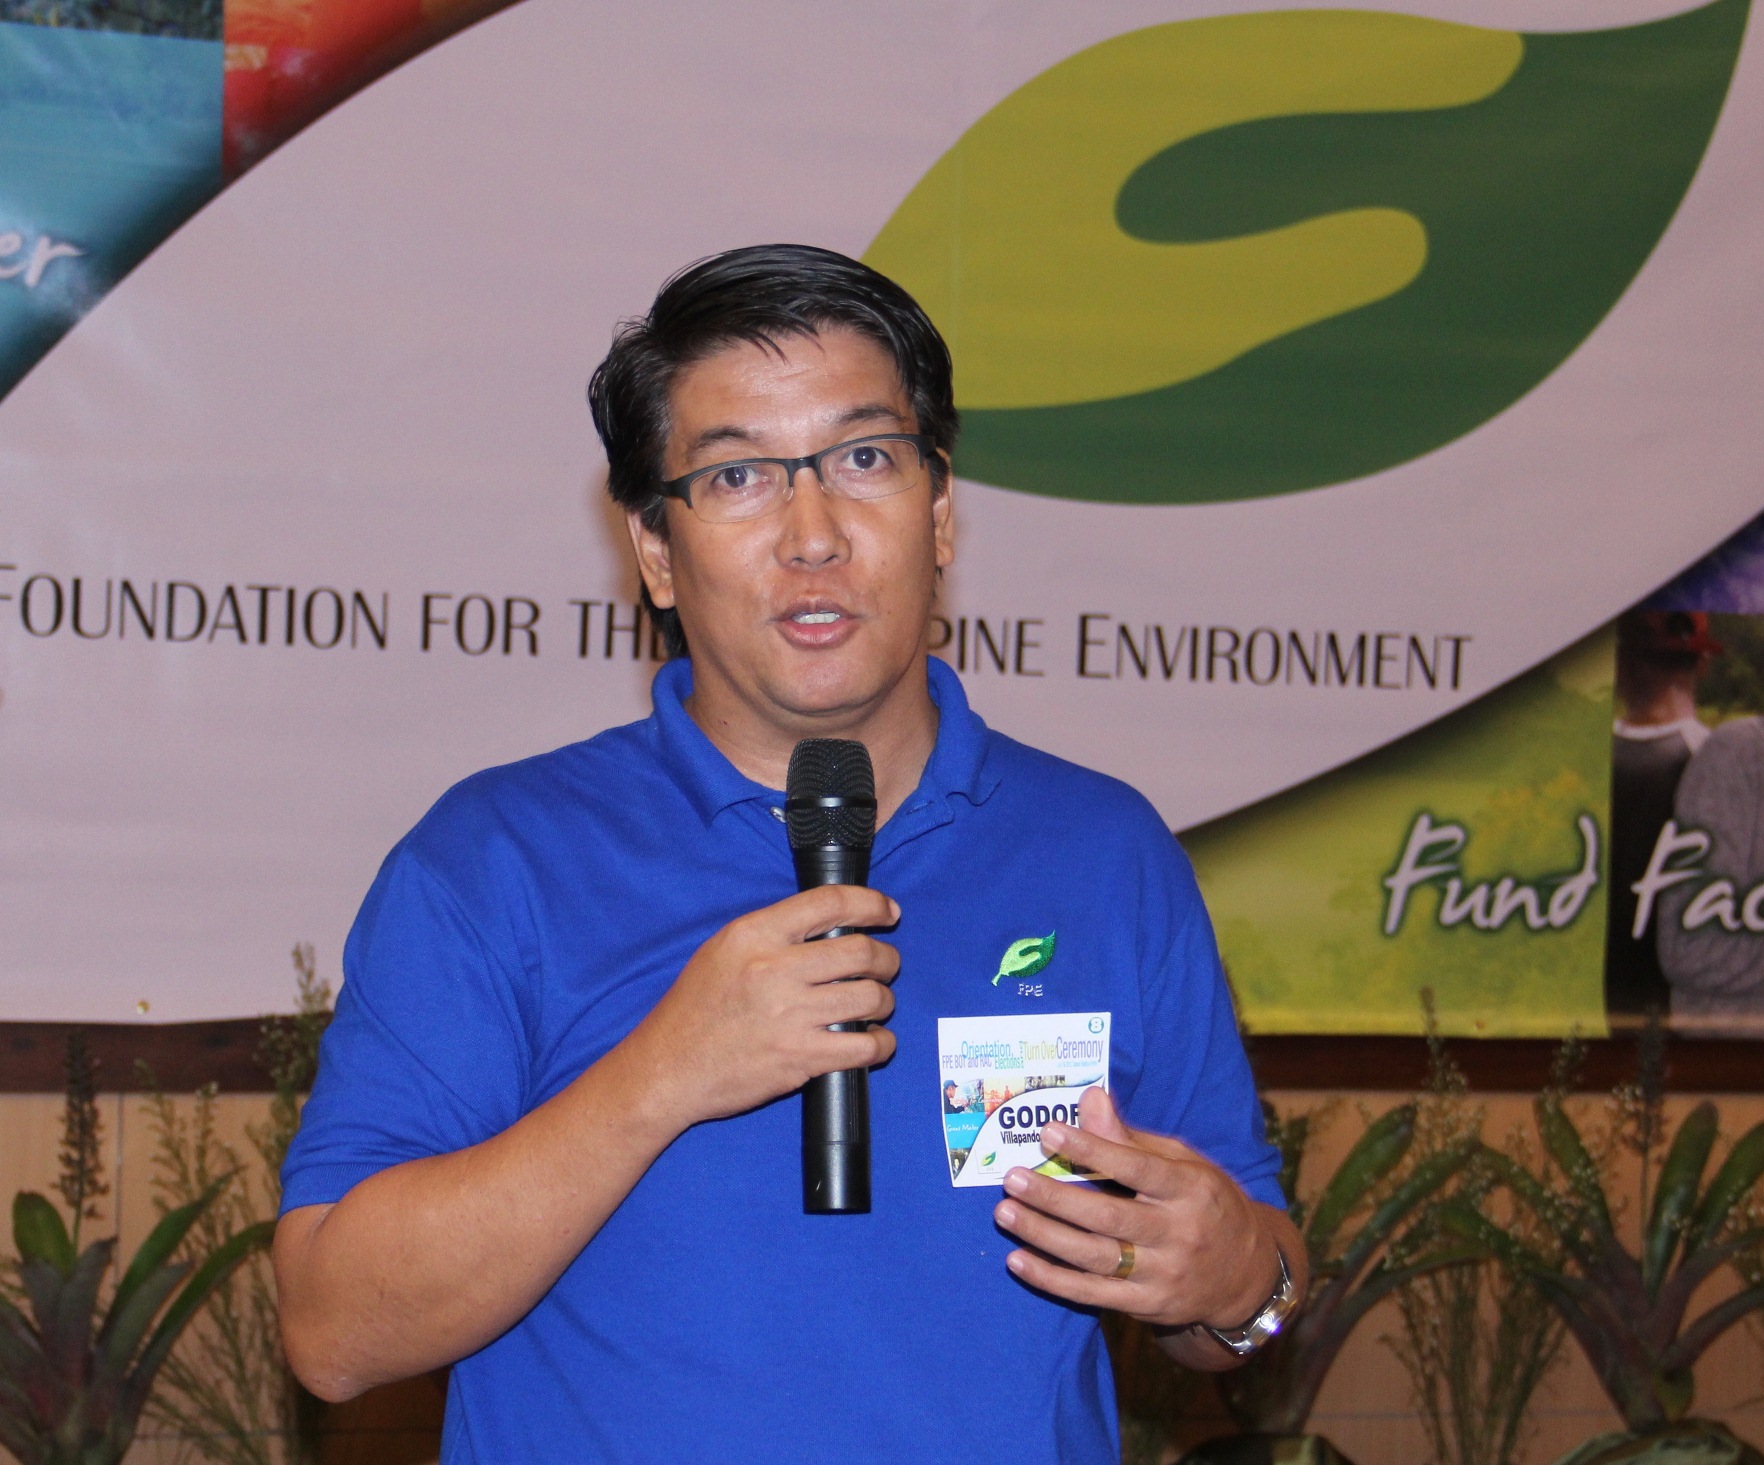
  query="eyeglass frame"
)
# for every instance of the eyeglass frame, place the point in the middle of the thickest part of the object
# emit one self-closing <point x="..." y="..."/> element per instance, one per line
<point x="681" y="487"/>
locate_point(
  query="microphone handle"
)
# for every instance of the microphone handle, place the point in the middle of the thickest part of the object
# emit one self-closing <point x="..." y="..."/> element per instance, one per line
<point x="836" y="1106"/>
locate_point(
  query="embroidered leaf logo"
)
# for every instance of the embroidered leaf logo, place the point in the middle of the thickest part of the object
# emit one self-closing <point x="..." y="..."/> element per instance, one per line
<point x="1026" y="957"/>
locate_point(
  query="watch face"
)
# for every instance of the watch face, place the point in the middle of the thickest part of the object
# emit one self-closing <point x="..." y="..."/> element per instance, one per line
<point x="1242" y="1344"/>
<point x="1266" y="1323"/>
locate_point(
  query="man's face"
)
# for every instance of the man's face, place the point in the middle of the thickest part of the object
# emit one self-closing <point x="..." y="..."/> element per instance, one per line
<point x="814" y="617"/>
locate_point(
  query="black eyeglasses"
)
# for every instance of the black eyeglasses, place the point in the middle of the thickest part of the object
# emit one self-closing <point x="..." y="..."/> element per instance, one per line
<point x="750" y="488"/>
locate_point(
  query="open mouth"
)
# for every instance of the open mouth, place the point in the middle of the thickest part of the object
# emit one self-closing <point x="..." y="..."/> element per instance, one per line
<point x="815" y="617"/>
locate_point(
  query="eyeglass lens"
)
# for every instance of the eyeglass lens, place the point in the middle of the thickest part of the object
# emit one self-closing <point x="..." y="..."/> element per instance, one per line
<point x="868" y="468"/>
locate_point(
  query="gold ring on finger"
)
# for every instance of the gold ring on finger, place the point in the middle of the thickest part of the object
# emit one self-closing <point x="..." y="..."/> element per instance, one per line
<point x="1124" y="1267"/>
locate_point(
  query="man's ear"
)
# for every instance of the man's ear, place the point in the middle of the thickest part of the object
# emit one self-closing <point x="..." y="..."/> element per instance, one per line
<point x="654" y="561"/>
<point x="943" y="521"/>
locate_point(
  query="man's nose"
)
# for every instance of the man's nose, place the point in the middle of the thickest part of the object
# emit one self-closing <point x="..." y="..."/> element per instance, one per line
<point x="812" y="533"/>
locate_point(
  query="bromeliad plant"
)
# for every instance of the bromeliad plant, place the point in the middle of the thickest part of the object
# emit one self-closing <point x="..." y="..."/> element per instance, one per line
<point x="1271" y="1396"/>
<point x="72" y="1382"/>
<point x="74" y="1377"/>
<point x="1627" y="1309"/>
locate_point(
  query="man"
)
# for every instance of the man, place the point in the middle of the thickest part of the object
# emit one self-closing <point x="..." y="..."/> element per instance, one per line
<point x="1661" y="655"/>
<point x="554" y="1139"/>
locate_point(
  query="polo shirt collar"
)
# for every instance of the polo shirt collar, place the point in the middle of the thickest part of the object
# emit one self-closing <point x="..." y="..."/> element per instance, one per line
<point x="711" y="783"/>
<point x="958" y="763"/>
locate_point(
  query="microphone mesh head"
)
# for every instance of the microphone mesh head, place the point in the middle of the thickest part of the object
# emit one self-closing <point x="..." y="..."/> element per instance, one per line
<point x="830" y="795"/>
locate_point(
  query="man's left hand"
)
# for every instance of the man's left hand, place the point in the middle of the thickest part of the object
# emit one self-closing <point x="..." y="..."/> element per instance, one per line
<point x="1203" y="1251"/>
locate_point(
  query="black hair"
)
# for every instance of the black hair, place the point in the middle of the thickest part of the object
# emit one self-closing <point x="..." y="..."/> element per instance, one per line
<point x="1665" y="640"/>
<point x="758" y="295"/>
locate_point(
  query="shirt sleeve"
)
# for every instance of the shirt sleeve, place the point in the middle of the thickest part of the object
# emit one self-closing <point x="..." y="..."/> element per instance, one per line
<point x="427" y="1053"/>
<point x="1196" y="1084"/>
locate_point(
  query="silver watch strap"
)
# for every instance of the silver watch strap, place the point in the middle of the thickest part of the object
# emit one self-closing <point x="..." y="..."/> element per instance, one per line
<point x="1265" y="1324"/>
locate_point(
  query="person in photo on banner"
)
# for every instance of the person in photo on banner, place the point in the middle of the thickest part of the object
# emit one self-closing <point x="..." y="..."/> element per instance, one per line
<point x="554" y="1141"/>
<point x="1712" y="929"/>
<point x="1661" y="655"/>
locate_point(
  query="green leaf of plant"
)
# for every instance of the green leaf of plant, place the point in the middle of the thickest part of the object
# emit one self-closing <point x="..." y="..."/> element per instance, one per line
<point x="127" y="1324"/>
<point x="1695" y="1269"/>
<point x="1681" y="1177"/>
<point x="163" y="1240"/>
<point x="1738" y="1174"/>
<point x="1379" y="1151"/>
<point x="1461" y="1219"/>
<point x="67" y="1339"/>
<point x="1563" y="1225"/>
<point x="18" y="1434"/>
<point x="1290" y="1137"/>
<point x="215" y="1270"/>
<point x="20" y="1348"/>
<point x="1623" y="1365"/>
<point x="51" y="1385"/>
<point x="18" y="1400"/>
<point x="1423" y="1181"/>
<point x="38" y="1232"/>
<point x="1688" y="1347"/>
<point x="43" y="1284"/>
<point x="1380" y="1285"/>
<point x="1564" y="1144"/>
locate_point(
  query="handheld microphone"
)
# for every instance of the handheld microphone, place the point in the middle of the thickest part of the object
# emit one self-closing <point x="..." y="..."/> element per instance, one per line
<point x="830" y="811"/>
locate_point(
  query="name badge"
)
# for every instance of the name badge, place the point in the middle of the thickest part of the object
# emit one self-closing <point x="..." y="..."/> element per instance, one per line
<point x="1004" y="1077"/>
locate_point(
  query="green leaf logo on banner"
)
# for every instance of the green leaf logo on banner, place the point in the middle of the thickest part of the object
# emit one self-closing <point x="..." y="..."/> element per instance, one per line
<point x="1228" y="258"/>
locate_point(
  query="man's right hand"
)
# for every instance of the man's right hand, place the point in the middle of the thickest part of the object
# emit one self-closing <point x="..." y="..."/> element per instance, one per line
<point x="747" y="1019"/>
<point x="429" y="1260"/>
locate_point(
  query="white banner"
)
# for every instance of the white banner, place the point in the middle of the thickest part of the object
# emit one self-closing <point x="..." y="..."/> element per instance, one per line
<point x="305" y="520"/>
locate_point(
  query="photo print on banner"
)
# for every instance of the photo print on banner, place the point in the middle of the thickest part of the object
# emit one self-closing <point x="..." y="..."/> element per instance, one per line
<point x="1687" y="799"/>
<point x="1583" y="847"/>
<point x="124" y="117"/>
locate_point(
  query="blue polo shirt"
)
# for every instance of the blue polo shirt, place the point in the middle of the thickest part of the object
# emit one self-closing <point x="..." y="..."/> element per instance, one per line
<point x="540" y="910"/>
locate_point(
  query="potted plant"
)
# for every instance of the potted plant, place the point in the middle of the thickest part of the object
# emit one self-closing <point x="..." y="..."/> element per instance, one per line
<point x="1272" y="1395"/>
<point x="74" y="1376"/>
<point x="1627" y="1309"/>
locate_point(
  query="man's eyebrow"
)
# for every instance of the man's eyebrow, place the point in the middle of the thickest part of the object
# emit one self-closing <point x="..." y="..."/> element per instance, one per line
<point x="736" y="436"/>
<point x="726" y="433"/>
<point x="869" y="412"/>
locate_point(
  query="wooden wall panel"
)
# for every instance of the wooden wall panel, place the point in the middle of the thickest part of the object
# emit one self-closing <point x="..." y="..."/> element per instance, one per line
<point x="1365" y="1406"/>
<point x="186" y="1055"/>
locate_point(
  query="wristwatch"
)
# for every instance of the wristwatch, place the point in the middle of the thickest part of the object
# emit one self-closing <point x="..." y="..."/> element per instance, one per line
<point x="1244" y="1340"/>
